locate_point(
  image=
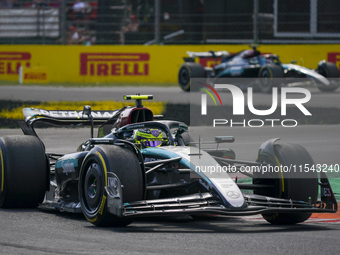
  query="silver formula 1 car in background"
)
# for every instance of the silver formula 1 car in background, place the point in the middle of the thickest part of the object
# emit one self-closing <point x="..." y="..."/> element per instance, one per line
<point x="263" y="68"/>
<point x="143" y="166"/>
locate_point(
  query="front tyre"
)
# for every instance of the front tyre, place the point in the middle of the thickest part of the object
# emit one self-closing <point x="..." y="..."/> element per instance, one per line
<point x="93" y="179"/>
<point x="330" y="71"/>
<point x="270" y="76"/>
<point x="24" y="176"/>
<point x="290" y="185"/>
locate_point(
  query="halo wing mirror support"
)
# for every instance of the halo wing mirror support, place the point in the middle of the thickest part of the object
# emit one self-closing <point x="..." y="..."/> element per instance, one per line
<point x="88" y="112"/>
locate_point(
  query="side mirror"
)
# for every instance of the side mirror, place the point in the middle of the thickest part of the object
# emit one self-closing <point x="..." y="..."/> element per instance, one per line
<point x="87" y="110"/>
<point x="224" y="139"/>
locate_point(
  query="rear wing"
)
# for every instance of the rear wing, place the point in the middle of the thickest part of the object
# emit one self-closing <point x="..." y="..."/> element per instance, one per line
<point x="210" y="54"/>
<point x="75" y="115"/>
<point x="63" y="118"/>
<point x="85" y="117"/>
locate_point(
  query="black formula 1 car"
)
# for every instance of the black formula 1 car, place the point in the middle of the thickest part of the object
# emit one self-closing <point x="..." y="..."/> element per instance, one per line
<point x="251" y="64"/>
<point x="139" y="166"/>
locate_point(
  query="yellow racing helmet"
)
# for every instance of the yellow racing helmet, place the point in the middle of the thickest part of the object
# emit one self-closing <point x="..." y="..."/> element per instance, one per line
<point x="148" y="137"/>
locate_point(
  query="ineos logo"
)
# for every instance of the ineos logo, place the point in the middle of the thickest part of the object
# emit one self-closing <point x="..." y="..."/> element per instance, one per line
<point x="233" y="194"/>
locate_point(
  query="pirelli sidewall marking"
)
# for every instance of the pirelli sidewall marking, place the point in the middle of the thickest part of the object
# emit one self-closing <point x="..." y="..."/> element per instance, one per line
<point x="102" y="204"/>
<point x="132" y="63"/>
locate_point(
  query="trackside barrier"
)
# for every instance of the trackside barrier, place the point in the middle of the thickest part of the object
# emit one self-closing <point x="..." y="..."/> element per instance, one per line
<point x="131" y="64"/>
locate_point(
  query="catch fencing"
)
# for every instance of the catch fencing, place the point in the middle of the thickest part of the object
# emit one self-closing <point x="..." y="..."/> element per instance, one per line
<point x="172" y="22"/>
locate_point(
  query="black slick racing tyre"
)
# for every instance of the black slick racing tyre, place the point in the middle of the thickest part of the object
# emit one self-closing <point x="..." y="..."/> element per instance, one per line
<point x="270" y="76"/>
<point x="330" y="71"/>
<point x="189" y="70"/>
<point x="24" y="171"/>
<point x="93" y="178"/>
<point x="290" y="185"/>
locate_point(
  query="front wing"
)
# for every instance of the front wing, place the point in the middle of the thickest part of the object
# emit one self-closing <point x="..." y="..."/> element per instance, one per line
<point x="207" y="203"/>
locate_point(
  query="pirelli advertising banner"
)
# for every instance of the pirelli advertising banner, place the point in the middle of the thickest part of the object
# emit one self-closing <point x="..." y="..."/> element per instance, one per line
<point x="130" y="64"/>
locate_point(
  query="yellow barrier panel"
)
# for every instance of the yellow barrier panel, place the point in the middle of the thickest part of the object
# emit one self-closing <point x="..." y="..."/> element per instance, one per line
<point x="129" y="64"/>
<point x="33" y="75"/>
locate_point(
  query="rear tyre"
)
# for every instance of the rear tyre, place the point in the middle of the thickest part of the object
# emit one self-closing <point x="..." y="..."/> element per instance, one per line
<point x="330" y="71"/>
<point x="189" y="70"/>
<point x="269" y="77"/>
<point x="93" y="178"/>
<point x="24" y="171"/>
<point x="290" y="185"/>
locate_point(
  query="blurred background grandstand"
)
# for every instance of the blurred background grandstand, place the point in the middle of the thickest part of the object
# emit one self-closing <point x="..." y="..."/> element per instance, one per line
<point x="169" y="21"/>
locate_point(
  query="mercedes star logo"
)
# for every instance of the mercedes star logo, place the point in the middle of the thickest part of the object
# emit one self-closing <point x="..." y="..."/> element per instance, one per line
<point x="233" y="194"/>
